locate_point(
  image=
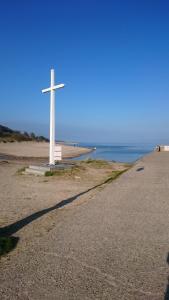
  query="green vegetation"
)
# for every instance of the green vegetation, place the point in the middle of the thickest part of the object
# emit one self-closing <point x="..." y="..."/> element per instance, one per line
<point x="7" y="244"/>
<point x="62" y="172"/>
<point x="49" y="173"/>
<point x="89" y="164"/>
<point x="114" y="175"/>
<point x="58" y="172"/>
<point x="9" y="135"/>
<point x="21" y="170"/>
<point x="96" y="163"/>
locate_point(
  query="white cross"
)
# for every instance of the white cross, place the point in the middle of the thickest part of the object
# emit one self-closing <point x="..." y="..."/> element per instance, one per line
<point x="52" y="89"/>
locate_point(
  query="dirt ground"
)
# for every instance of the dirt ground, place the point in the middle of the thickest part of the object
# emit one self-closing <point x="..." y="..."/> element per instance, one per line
<point x="21" y="195"/>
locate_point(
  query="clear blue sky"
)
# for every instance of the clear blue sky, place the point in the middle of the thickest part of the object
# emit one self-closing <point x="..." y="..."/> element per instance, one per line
<point x="113" y="57"/>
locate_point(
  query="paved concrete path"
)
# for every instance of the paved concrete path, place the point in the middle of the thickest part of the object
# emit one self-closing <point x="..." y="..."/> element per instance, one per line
<point x="114" y="246"/>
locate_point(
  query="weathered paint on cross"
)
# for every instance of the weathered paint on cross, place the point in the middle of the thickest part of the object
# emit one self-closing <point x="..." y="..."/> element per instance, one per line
<point x="52" y="89"/>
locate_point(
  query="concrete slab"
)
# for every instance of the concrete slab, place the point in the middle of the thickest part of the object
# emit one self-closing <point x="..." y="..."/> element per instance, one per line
<point x="42" y="169"/>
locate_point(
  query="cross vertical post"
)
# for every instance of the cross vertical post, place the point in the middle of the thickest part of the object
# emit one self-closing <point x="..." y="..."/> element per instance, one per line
<point x="52" y="89"/>
<point x="52" y="120"/>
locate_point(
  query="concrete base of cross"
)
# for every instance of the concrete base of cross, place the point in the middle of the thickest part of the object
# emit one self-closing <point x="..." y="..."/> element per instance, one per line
<point x="42" y="170"/>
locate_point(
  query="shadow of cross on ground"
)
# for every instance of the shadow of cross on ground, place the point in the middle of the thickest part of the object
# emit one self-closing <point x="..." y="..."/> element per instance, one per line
<point x="6" y="232"/>
<point x="166" y="297"/>
<point x="9" y="230"/>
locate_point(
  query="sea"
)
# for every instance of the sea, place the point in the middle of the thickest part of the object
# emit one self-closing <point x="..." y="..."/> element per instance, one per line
<point x="121" y="153"/>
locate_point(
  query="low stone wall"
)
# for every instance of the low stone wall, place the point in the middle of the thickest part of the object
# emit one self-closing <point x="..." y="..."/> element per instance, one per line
<point x="162" y="148"/>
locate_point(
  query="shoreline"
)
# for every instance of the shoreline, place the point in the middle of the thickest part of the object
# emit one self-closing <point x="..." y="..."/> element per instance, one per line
<point x="37" y="150"/>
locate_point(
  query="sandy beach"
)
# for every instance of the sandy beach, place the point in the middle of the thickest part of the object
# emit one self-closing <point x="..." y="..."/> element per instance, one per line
<point x="39" y="149"/>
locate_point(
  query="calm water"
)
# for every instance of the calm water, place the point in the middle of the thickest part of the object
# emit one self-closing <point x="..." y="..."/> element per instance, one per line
<point x="122" y="153"/>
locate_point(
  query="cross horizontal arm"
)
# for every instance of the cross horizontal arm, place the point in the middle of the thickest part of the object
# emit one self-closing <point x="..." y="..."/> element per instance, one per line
<point x="58" y="86"/>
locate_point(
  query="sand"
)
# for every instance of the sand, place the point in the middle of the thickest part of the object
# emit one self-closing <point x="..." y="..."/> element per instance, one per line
<point x="39" y="149"/>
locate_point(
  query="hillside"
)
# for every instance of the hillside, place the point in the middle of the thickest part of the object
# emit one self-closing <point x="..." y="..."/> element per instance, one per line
<point x="9" y="135"/>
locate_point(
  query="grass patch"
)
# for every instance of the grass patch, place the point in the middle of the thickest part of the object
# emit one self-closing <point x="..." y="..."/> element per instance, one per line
<point x="77" y="168"/>
<point x="66" y="172"/>
<point x="57" y="173"/>
<point x="49" y="173"/>
<point x="96" y="163"/>
<point x="114" y="175"/>
<point x="128" y="165"/>
<point x="21" y="170"/>
<point x="7" y="244"/>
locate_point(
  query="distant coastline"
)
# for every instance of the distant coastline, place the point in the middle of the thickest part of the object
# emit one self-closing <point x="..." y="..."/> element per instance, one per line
<point x="9" y="135"/>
